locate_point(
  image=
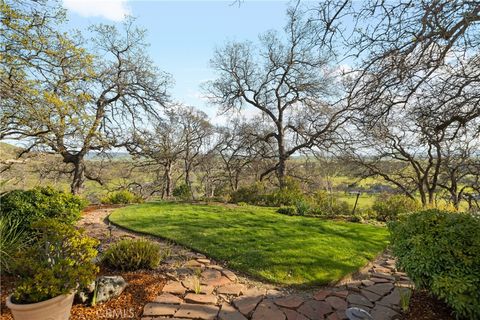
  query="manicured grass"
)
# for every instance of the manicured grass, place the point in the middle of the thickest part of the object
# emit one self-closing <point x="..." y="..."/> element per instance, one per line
<point x="260" y="242"/>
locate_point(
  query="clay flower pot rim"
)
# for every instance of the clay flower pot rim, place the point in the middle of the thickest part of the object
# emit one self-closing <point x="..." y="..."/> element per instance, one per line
<point x="36" y="305"/>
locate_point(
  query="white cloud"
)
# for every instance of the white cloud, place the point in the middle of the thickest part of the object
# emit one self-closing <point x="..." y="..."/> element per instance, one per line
<point x="109" y="9"/>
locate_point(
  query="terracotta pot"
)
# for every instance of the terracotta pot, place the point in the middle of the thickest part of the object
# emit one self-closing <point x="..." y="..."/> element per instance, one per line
<point x="57" y="308"/>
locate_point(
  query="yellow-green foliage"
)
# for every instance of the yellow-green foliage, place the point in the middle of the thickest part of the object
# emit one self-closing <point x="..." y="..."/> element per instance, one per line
<point x="389" y="207"/>
<point x="59" y="262"/>
<point x="28" y="206"/>
<point x="132" y="255"/>
<point x="121" y="197"/>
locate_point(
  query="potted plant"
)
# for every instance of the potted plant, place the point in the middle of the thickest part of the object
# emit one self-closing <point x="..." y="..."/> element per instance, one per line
<point x="49" y="273"/>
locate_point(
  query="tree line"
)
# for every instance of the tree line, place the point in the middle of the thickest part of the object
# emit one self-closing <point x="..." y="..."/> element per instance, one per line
<point x="390" y="88"/>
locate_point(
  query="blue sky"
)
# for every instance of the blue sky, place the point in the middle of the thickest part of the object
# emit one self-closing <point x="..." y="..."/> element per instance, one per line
<point x="184" y="34"/>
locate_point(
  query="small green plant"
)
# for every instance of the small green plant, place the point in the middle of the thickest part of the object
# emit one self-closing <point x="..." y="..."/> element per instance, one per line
<point x="182" y="192"/>
<point x="242" y="204"/>
<point x="302" y="207"/>
<point x="197" y="287"/>
<point x="405" y="295"/>
<point x="59" y="262"/>
<point x="130" y="255"/>
<point x="121" y="197"/>
<point x="389" y="207"/>
<point x="288" y="210"/>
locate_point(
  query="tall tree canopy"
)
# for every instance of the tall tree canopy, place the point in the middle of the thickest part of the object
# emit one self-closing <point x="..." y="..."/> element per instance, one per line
<point x="70" y="98"/>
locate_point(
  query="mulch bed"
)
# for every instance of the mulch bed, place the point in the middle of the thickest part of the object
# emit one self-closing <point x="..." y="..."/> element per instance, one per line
<point x="423" y="306"/>
<point x="143" y="287"/>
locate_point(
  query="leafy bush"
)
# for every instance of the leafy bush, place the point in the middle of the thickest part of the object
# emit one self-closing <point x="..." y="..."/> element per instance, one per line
<point x="249" y="194"/>
<point x="27" y="206"/>
<point x="287" y="210"/>
<point x="129" y="255"/>
<point x="59" y="262"/>
<point x="325" y="204"/>
<point x="182" y="192"/>
<point x="13" y="239"/>
<point x="355" y="218"/>
<point x="440" y="251"/>
<point x="121" y="197"/>
<point x="289" y="195"/>
<point x="389" y="207"/>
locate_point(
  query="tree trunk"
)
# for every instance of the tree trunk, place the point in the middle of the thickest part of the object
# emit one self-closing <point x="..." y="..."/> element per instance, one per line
<point x="168" y="180"/>
<point x="423" y="196"/>
<point x="78" y="175"/>
<point x="282" y="158"/>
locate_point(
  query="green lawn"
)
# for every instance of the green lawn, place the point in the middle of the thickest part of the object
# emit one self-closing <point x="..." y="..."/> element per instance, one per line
<point x="260" y="242"/>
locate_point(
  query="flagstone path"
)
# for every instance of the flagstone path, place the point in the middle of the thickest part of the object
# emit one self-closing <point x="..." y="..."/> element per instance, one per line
<point x="201" y="289"/>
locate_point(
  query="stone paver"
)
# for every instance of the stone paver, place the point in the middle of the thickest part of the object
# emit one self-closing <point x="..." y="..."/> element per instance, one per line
<point x="293" y="315"/>
<point x="231" y="289"/>
<point x="337" y="303"/>
<point x="383" y="313"/>
<point x="230" y="275"/>
<point x="160" y="309"/>
<point x="211" y="274"/>
<point x="268" y="310"/>
<point x="197" y="311"/>
<point x="381" y="289"/>
<point x="322" y="294"/>
<point x="370" y="295"/>
<point x="168" y="298"/>
<point x="290" y="302"/>
<point x="227" y="312"/>
<point x="246" y="304"/>
<point x="315" y="310"/>
<point x="201" y="298"/>
<point x="357" y="299"/>
<point x="216" y="282"/>
<point x="174" y="287"/>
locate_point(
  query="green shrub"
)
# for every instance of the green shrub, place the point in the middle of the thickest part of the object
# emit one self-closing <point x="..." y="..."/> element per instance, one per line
<point x="27" y="206"/>
<point x="287" y="210"/>
<point x="302" y="207"/>
<point x="251" y="194"/>
<point x="121" y="197"/>
<point x="59" y="262"/>
<point x="325" y="204"/>
<point x="13" y="239"/>
<point x="129" y="255"/>
<point x="182" y="192"/>
<point x="389" y="207"/>
<point x="355" y="218"/>
<point x="289" y="195"/>
<point x="440" y="251"/>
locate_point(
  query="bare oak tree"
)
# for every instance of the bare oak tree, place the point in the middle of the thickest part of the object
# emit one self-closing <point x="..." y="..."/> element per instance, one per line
<point x="287" y="79"/>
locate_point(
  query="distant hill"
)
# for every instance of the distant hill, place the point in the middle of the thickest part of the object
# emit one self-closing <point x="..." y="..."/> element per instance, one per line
<point x="10" y="151"/>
